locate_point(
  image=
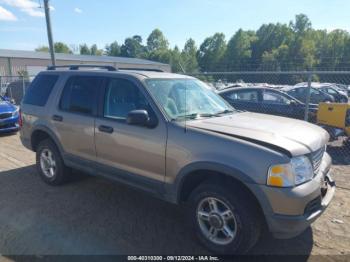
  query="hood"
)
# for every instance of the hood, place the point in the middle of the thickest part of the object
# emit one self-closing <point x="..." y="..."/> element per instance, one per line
<point x="286" y="135"/>
<point x="6" y="107"/>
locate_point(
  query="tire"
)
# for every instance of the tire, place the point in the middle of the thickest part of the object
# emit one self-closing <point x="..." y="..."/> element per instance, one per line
<point x="59" y="174"/>
<point x="246" y="218"/>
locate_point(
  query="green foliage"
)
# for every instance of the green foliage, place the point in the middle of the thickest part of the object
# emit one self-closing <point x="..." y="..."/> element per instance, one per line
<point x="84" y="49"/>
<point x="211" y="53"/>
<point x="58" y="46"/>
<point x="189" y="57"/>
<point x="157" y="41"/>
<point x="113" y="49"/>
<point x="274" y="46"/>
<point x="133" y="47"/>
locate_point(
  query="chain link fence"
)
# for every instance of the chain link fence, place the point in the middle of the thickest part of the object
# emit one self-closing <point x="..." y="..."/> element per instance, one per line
<point x="321" y="98"/>
<point x="13" y="88"/>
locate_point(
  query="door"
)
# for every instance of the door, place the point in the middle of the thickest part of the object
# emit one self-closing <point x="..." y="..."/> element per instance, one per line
<point x="135" y="149"/>
<point x="74" y="119"/>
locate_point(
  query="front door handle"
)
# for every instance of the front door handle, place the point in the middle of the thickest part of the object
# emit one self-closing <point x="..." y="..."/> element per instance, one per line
<point x="106" y="129"/>
<point x="57" y="118"/>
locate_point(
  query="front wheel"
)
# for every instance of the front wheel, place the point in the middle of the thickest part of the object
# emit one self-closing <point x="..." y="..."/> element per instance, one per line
<point x="225" y="219"/>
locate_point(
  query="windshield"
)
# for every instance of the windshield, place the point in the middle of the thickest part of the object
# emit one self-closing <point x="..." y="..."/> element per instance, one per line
<point x="187" y="98"/>
<point x="2" y="99"/>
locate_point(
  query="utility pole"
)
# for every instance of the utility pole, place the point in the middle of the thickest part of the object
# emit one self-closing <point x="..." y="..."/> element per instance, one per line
<point x="49" y="31"/>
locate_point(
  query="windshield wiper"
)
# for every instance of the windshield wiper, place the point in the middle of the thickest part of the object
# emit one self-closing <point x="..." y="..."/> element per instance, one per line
<point x="194" y="116"/>
<point x="226" y="111"/>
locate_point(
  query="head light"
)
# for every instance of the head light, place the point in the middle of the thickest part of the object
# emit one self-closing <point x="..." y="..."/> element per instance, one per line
<point x="16" y="113"/>
<point x="298" y="171"/>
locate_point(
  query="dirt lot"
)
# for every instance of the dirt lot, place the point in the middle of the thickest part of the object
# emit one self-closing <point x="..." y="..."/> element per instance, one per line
<point x="94" y="216"/>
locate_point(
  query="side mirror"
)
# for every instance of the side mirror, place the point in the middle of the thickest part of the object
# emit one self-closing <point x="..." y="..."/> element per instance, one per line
<point x="138" y="118"/>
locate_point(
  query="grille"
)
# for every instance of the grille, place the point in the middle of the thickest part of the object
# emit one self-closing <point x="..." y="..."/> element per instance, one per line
<point x="317" y="159"/>
<point x="5" y="115"/>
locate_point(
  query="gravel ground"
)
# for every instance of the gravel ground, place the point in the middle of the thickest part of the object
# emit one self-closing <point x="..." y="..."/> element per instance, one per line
<point x="95" y="216"/>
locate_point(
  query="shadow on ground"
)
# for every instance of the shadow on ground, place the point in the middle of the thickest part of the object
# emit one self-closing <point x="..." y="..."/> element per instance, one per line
<point x="340" y="152"/>
<point x="96" y="216"/>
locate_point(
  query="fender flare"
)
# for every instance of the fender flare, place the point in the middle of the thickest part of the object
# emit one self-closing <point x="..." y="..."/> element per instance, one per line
<point x="51" y="135"/>
<point x="209" y="166"/>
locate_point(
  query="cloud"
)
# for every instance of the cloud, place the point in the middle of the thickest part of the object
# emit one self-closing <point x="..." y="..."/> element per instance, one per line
<point x="78" y="10"/>
<point x="6" y="15"/>
<point x="27" y="6"/>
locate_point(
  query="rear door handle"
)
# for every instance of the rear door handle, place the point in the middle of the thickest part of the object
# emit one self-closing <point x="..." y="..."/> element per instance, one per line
<point x="57" y="118"/>
<point x="106" y="129"/>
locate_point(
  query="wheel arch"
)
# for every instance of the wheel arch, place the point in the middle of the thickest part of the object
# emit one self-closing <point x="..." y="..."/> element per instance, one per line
<point x="39" y="134"/>
<point x="195" y="173"/>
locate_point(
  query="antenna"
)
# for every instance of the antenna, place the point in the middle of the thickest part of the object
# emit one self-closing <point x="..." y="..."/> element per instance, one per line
<point x="185" y="108"/>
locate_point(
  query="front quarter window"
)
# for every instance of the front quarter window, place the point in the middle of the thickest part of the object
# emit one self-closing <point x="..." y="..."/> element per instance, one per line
<point x="186" y="98"/>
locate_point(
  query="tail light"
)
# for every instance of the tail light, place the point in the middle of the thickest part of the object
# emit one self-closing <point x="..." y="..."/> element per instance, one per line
<point x="20" y="120"/>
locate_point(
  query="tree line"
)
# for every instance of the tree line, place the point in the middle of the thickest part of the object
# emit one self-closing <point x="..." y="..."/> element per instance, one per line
<point x="273" y="47"/>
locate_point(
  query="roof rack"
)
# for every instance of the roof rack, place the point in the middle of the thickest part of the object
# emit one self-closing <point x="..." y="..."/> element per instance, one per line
<point x="76" y="67"/>
<point x="142" y="69"/>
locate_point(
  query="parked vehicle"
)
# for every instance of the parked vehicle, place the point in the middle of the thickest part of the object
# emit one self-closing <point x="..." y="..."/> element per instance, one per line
<point x="335" y="118"/>
<point x="267" y="101"/>
<point x="9" y="116"/>
<point x="238" y="172"/>
<point x="333" y="90"/>
<point x="316" y="95"/>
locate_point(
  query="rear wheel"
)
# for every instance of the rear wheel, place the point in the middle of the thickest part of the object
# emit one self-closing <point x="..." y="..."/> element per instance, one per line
<point x="50" y="164"/>
<point x="225" y="219"/>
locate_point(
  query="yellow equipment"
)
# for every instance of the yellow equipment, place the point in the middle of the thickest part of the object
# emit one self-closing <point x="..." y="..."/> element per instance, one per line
<point x="335" y="118"/>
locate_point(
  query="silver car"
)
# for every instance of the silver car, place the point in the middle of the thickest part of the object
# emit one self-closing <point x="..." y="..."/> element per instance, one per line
<point x="237" y="173"/>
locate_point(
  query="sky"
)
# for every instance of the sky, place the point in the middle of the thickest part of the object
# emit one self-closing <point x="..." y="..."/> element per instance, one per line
<point x="22" y="22"/>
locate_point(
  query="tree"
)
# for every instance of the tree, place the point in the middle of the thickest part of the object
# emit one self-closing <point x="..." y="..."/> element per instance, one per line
<point x="59" y="48"/>
<point x="188" y="56"/>
<point x="95" y="51"/>
<point x="158" y="47"/>
<point x="176" y="60"/>
<point x="113" y="49"/>
<point x="157" y="41"/>
<point x="84" y="49"/>
<point x="42" y="49"/>
<point x="239" y="50"/>
<point x="133" y="47"/>
<point x="211" y="53"/>
<point x="301" y="25"/>
<point x="62" y="48"/>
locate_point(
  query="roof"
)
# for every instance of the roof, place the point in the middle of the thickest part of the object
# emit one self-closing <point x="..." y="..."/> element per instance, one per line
<point x="72" y="57"/>
<point x="137" y="73"/>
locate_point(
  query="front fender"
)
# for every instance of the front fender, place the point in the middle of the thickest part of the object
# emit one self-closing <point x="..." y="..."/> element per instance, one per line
<point x="208" y="166"/>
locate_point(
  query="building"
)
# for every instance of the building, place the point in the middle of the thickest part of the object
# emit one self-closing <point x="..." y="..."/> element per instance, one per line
<point x="13" y="62"/>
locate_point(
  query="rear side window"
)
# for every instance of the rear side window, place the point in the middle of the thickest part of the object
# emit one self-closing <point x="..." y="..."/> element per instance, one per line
<point x="80" y="95"/>
<point x="40" y="90"/>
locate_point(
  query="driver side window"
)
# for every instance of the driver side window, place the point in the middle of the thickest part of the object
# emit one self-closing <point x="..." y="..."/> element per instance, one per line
<point x="121" y="97"/>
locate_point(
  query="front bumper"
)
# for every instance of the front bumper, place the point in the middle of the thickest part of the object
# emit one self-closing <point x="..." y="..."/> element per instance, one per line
<point x="287" y="226"/>
<point x="289" y="211"/>
<point x="9" y="125"/>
